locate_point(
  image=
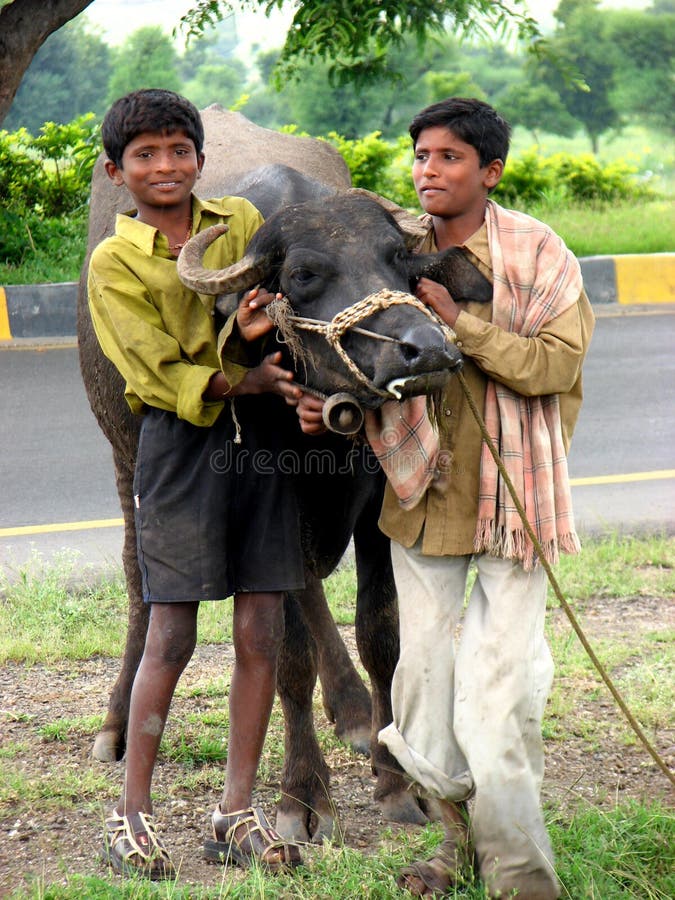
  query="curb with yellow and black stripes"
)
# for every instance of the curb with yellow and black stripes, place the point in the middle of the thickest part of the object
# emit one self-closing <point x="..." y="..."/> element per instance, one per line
<point x="633" y="278"/>
<point x="50" y="310"/>
<point x="38" y="310"/>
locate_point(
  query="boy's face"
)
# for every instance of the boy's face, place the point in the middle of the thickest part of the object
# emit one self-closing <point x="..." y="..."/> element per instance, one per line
<point x="158" y="169"/>
<point x="448" y="177"/>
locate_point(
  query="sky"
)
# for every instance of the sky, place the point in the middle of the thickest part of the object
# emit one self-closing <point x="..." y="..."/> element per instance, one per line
<point x="119" y="18"/>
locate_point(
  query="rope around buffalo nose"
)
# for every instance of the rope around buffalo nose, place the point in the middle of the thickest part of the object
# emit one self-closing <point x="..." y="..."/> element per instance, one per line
<point x="281" y="313"/>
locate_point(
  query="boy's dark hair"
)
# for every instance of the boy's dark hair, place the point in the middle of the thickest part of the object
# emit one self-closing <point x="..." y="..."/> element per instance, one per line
<point x="474" y="122"/>
<point x="153" y="110"/>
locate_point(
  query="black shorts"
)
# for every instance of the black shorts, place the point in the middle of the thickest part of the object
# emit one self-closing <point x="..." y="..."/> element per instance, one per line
<point x="215" y="517"/>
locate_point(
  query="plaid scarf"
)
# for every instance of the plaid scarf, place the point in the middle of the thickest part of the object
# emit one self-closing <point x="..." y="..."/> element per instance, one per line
<point x="536" y="279"/>
<point x="406" y="444"/>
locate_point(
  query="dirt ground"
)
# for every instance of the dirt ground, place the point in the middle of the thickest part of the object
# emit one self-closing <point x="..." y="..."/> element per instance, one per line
<point x="49" y="841"/>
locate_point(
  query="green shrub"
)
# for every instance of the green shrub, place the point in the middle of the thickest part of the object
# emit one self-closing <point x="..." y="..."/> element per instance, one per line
<point x="45" y="181"/>
<point x="566" y="178"/>
<point x="384" y="167"/>
<point x="378" y="165"/>
<point x="20" y="173"/>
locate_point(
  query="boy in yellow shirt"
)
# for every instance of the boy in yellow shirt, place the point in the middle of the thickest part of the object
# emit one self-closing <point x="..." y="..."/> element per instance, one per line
<point x="205" y="531"/>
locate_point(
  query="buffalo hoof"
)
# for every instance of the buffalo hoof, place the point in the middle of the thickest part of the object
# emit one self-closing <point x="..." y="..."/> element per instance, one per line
<point x="357" y="737"/>
<point x="109" y="746"/>
<point x="402" y="807"/>
<point x="300" y="825"/>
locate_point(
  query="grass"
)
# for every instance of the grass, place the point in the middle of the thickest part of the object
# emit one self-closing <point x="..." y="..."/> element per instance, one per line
<point x="611" y="229"/>
<point x="61" y="260"/>
<point x="619" y="566"/>
<point x="617" y="855"/>
<point x="625" y="851"/>
<point x="47" y="615"/>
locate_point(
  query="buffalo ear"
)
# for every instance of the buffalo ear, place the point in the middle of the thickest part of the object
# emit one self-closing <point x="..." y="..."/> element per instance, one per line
<point x="453" y="269"/>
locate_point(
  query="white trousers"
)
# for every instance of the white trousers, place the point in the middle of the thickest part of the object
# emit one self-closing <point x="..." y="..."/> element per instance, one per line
<point x="468" y="708"/>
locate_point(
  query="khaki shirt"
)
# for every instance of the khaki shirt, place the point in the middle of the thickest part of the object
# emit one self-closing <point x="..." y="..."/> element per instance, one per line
<point x="549" y="363"/>
<point x="158" y="333"/>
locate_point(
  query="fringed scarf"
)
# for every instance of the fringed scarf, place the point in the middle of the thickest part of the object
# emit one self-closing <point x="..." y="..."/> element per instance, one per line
<point x="536" y="279"/>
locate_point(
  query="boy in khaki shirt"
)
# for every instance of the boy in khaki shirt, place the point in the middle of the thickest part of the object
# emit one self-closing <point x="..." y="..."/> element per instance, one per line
<point x="467" y="715"/>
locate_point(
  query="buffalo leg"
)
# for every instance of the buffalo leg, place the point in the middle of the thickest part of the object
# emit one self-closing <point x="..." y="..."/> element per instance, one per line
<point x="110" y="743"/>
<point x="346" y="700"/>
<point x="305" y="811"/>
<point x="378" y="645"/>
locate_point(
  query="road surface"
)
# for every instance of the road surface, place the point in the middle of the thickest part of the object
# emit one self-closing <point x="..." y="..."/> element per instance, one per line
<point x="58" y="487"/>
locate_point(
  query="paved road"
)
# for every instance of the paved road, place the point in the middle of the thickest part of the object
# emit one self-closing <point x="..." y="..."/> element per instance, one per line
<point x="56" y="467"/>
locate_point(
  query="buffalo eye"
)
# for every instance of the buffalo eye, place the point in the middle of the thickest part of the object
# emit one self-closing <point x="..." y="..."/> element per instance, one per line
<point x="302" y="276"/>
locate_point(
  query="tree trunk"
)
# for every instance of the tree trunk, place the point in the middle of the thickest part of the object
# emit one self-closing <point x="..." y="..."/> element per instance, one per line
<point x="24" y="26"/>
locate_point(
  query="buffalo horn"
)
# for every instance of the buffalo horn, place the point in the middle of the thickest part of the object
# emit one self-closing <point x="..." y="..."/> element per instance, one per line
<point x="409" y="224"/>
<point x="241" y="275"/>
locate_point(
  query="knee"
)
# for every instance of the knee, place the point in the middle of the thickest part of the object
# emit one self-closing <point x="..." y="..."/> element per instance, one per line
<point x="259" y="636"/>
<point x="171" y="648"/>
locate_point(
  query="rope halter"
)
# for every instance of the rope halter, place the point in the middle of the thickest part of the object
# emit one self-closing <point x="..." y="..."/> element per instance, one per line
<point x="287" y="322"/>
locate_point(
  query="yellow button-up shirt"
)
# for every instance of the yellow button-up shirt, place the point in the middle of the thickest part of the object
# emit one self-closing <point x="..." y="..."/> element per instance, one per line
<point x="158" y="333"/>
<point x="549" y="363"/>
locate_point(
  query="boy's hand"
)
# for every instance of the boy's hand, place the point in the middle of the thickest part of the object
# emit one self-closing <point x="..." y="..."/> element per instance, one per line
<point x="252" y="319"/>
<point x="269" y="377"/>
<point x="310" y="413"/>
<point x="438" y="298"/>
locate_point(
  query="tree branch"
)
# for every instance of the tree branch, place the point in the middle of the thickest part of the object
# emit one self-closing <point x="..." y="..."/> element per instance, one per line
<point x="24" y="26"/>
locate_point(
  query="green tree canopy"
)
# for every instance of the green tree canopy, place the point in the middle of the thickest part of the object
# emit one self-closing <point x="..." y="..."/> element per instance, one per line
<point x="318" y="105"/>
<point x="147" y="59"/>
<point x="644" y="85"/>
<point x="538" y="108"/>
<point x="581" y="43"/>
<point x="353" y="37"/>
<point x="210" y="70"/>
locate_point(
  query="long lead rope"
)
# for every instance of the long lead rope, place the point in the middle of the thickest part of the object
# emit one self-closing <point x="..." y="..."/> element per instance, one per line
<point x="556" y="587"/>
<point x="286" y="321"/>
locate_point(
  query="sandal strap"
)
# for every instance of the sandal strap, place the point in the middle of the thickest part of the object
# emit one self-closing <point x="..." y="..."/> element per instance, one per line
<point x="119" y="829"/>
<point x="253" y="820"/>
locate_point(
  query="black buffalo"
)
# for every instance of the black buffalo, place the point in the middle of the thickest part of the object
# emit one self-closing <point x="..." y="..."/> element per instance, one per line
<point x="340" y="498"/>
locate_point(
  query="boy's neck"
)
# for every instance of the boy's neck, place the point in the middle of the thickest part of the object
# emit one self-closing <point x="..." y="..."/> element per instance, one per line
<point x="166" y="218"/>
<point x="451" y="232"/>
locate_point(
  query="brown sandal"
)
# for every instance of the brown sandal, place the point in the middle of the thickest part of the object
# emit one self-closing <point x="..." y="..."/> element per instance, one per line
<point x="136" y="851"/>
<point x="245" y="838"/>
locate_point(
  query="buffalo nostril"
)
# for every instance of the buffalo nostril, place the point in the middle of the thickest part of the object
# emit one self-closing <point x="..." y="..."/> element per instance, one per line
<point x="409" y="352"/>
<point x="422" y="346"/>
